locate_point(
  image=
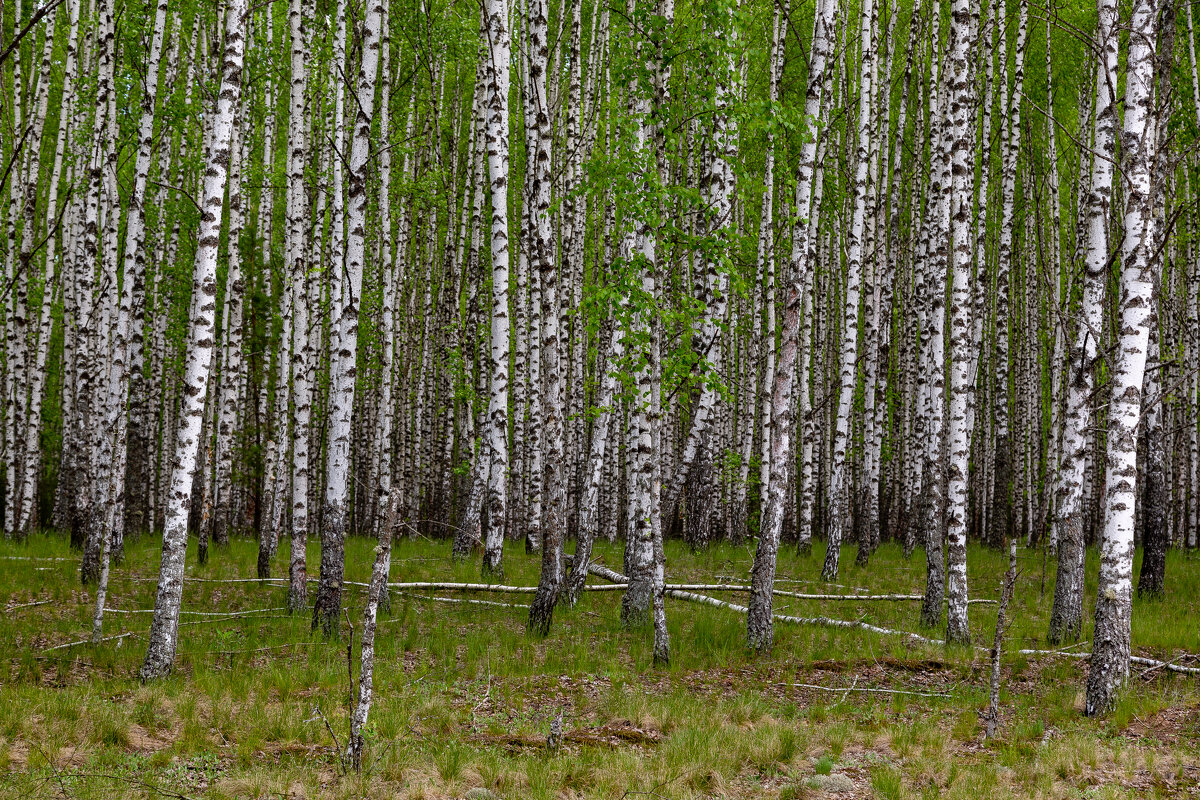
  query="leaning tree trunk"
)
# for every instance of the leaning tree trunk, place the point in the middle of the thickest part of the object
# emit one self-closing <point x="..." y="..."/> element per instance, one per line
<point x="1066" y="616"/>
<point x="1114" y="602"/>
<point x="375" y="592"/>
<point x="164" y="630"/>
<point x="335" y="515"/>
<point x="760" y="632"/>
<point x="590" y="502"/>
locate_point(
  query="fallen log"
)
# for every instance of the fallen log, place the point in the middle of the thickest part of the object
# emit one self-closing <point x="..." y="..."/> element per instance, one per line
<point x="602" y="571"/>
<point x="844" y="689"/>
<point x="1154" y="663"/>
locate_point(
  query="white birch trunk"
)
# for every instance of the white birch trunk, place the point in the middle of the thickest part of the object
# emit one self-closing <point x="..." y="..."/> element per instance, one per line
<point x="762" y="574"/>
<point x="962" y="43"/>
<point x="343" y="366"/>
<point x="1066" y="619"/>
<point x="1114" y="603"/>
<point x="164" y="629"/>
<point x="839" y="488"/>
<point x="495" y="14"/>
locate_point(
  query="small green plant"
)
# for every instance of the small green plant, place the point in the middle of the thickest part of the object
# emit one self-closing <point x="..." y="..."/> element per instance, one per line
<point x="787" y="746"/>
<point x="887" y="783"/>
<point x="450" y="761"/>
<point x="794" y="791"/>
<point x="824" y="765"/>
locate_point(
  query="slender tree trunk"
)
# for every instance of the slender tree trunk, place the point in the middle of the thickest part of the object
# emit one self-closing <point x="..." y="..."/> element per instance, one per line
<point x="297" y="272"/>
<point x="1066" y="617"/>
<point x="344" y="365"/>
<point x="839" y="488"/>
<point x="962" y="43"/>
<point x="495" y="13"/>
<point x="1114" y="602"/>
<point x="590" y="501"/>
<point x="760" y="631"/>
<point x="376" y="593"/>
<point x="164" y="629"/>
<point x="553" y="526"/>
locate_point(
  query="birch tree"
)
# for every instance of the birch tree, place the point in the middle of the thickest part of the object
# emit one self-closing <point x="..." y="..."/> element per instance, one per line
<point x="1066" y="618"/>
<point x="1114" y="602"/>
<point x="553" y="527"/>
<point x="760" y="630"/>
<point x="164" y="629"/>
<point x="962" y="42"/>
<point x="344" y="365"/>
<point x="495" y="24"/>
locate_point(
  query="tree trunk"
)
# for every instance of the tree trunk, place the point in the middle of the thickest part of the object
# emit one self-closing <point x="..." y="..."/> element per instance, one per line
<point x="1114" y="603"/>
<point x="962" y="43"/>
<point x="553" y="528"/>
<point x="160" y="653"/>
<point x="495" y="14"/>
<point x="760" y="631"/>
<point x="1066" y="616"/>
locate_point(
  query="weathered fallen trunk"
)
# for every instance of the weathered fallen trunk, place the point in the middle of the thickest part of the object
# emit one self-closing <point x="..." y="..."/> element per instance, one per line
<point x="606" y="587"/>
<point x="608" y="574"/>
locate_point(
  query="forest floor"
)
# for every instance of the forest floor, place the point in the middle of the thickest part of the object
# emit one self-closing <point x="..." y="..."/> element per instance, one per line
<point x="465" y="697"/>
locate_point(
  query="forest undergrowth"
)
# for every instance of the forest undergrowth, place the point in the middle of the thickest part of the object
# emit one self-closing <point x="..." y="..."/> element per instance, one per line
<point x="257" y="706"/>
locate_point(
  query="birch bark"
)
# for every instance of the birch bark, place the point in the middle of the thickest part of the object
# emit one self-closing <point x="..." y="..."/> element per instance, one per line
<point x="164" y="629"/>
<point x="297" y="272"/>
<point x="759" y="620"/>
<point x="343" y="367"/>
<point x="839" y="488"/>
<point x="553" y="527"/>
<point x="1114" y="603"/>
<point x="495" y="13"/>
<point x="962" y="42"/>
<point x="1066" y="617"/>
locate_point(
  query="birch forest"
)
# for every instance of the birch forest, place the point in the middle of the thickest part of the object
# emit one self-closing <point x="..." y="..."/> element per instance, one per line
<point x="629" y="316"/>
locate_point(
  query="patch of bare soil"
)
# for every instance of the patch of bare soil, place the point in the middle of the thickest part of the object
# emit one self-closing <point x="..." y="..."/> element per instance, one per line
<point x="18" y="755"/>
<point x="619" y="733"/>
<point x="20" y="751"/>
<point x="144" y="741"/>
<point x="1172" y="726"/>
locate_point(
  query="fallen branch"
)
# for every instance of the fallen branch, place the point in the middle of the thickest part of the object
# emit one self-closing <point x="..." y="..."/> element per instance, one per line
<point x="28" y="605"/>
<point x="604" y="572"/>
<point x="34" y="558"/>
<point x="863" y="689"/>
<point x="1170" y="666"/>
<point x="195" y="613"/>
<point x="231" y="617"/>
<point x="466" y="600"/>
<point x="445" y="586"/>
<point x="87" y="641"/>
<point x="731" y="587"/>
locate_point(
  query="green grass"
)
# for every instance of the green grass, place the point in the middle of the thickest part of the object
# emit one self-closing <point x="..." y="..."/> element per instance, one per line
<point x="464" y="696"/>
